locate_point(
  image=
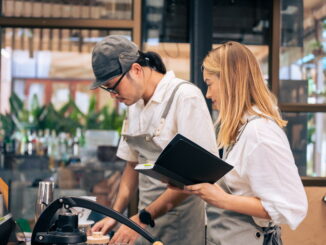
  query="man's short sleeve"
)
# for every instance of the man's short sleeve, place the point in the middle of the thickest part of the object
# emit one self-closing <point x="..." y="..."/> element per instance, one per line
<point x="125" y="152"/>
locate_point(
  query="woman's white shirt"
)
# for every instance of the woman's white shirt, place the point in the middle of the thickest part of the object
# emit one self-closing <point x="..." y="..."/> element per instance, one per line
<point x="264" y="167"/>
<point x="188" y="116"/>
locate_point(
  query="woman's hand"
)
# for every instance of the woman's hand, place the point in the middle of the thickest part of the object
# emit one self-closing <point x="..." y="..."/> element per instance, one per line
<point x="210" y="193"/>
<point x="216" y="196"/>
<point x="104" y="225"/>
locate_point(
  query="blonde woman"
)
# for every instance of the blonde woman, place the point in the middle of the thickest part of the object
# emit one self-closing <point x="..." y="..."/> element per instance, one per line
<point x="264" y="189"/>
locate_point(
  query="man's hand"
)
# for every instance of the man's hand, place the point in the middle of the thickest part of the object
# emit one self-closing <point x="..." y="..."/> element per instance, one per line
<point x="125" y="235"/>
<point x="104" y="225"/>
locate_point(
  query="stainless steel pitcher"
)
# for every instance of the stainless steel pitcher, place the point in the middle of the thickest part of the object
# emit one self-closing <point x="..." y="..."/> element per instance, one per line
<point x="44" y="197"/>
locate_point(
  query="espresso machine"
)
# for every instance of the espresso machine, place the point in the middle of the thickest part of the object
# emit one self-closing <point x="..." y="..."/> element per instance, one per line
<point x="53" y="227"/>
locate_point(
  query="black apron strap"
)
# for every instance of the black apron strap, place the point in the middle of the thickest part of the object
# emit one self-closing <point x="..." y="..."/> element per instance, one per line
<point x="272" y="235"/>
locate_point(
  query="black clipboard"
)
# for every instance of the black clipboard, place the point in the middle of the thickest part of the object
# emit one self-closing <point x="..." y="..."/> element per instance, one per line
<point x="183" y="162"/>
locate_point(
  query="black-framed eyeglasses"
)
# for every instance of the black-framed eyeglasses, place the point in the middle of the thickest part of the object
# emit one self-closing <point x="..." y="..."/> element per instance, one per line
<point x="112" y="90"/>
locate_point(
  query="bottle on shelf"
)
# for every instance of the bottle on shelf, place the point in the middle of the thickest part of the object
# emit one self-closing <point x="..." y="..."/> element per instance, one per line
<point x="46" y="141"/>
<point x="23" y="141"/>
<point x="2" y="160"/>
<point x="31" y="143"/>
<point x="39" y="142"/>
<point x="77" y="143"/>
<point x="53" y="150"/>
<point x="63" y="147"/>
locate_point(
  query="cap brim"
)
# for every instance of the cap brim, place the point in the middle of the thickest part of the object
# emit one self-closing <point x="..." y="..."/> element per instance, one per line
<point x="96" y="84"/>
<point x="99" y="82"/>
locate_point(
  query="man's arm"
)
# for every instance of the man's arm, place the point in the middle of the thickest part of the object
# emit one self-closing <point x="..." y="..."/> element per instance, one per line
<point x="128" y="185"/>
<point x="165" y="202"/>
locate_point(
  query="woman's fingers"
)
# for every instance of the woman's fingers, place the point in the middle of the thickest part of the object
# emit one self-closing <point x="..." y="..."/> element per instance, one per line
<point x="193" y="188"/>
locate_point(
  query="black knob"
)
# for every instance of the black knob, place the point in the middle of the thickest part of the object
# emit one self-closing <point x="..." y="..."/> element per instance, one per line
<point x="67" y="222"/>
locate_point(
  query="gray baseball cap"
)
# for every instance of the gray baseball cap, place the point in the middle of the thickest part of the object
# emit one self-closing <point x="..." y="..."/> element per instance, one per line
<point x="112" y="57"/>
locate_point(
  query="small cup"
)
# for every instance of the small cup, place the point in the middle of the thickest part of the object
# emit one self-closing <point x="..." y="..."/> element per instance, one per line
<point x="98" y="238"/>
<point x="86" y="227"/>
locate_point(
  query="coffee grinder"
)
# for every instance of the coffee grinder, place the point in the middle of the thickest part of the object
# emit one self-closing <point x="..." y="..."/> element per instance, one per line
<point x="51" y="228"/>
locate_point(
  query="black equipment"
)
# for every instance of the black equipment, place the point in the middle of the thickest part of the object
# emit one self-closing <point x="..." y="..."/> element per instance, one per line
<point x="64" y="229"/>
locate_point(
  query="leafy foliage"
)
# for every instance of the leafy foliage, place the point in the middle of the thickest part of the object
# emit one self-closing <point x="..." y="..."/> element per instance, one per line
<point x="111" y="120"/>
<point x="7" y="124"/>
<point x="67" y="119"/>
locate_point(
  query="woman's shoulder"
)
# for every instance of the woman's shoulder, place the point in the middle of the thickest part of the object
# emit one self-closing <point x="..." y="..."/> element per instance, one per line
<point x="263" y="129"/>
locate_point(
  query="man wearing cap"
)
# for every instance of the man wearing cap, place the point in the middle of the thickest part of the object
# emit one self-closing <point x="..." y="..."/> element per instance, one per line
<point x="159" y="106"/>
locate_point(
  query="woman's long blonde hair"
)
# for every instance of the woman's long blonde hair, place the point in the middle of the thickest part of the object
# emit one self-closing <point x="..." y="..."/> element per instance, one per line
<point x="241" y="86"/>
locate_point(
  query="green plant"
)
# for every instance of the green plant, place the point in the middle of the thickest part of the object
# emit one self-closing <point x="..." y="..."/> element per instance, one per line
<point x="20" y="116"/>
<point x="92" y="117"/>
<point x="72" y="117"/>
<point x="67" y="119"/>
<point x="104" y="119"/>
<point x="311" y="129"/>
<point x="318" y="48"/>
<point x="60" y="121"/>
<point x="7" y="125"/>
<point x="112" y="120"/>
<point x="316" y="45"/>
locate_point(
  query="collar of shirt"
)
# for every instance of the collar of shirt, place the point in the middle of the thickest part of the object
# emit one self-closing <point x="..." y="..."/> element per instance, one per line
<point x="248" y="116"/>
<point x="160" y="90"/>
<point x="162" y="87"/>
